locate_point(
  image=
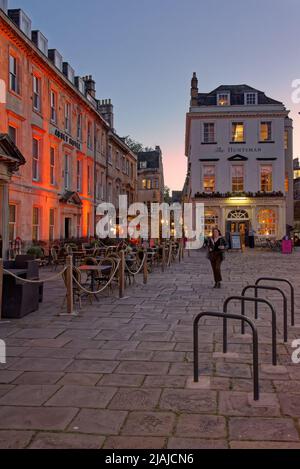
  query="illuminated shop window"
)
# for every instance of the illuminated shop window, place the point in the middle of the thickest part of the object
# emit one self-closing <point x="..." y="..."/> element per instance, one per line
<point x="211" y="221"/>
<point x="266" y="220"/>
<point x="266" y="178"/>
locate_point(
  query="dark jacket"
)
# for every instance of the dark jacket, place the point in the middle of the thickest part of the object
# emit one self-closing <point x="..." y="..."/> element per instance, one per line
<point x="214" y="247"/>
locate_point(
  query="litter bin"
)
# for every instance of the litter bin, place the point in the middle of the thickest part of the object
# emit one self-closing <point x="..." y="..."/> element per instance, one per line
<point x="287" y="246"/>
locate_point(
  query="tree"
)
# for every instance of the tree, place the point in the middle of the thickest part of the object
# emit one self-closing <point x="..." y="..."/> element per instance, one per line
<point x="167" y="197"/>
<point x="135" y="146"/>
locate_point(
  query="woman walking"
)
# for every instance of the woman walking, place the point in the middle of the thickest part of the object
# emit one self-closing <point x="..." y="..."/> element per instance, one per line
<point x="216" y="248"/>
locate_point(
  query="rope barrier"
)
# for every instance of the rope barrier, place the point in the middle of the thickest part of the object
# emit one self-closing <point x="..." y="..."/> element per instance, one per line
<point x="25" y="280"/>
<point x="140" y="268"/>
<point x="90" y="292"/>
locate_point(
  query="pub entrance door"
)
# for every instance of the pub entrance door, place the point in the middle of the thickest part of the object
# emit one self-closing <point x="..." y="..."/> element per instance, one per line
<point x="238" y="222"/>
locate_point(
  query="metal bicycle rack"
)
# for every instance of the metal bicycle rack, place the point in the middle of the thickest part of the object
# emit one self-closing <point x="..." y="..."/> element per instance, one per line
<point x="241" y="318"/>
<point x="285" y="313"/>
<point x="243" y="299"/>
<point x="273" y="279"/>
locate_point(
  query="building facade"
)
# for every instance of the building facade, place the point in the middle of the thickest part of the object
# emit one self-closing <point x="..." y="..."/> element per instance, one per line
<point x="239" y="145"/>
<point x="150" y="177"/>
<point x="74" y="158"/>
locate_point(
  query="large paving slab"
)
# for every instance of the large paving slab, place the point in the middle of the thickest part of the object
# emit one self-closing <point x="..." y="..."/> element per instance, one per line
<point x="120" y="374"/>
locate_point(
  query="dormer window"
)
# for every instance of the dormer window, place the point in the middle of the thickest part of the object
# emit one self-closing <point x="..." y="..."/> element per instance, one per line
<point x="250" y="99"/>
<point x="224" y="99"/>
<point x="143" y="165"/>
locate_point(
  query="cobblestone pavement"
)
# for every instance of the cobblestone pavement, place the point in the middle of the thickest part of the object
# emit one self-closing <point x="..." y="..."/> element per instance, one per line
<point x="120" y="374"/>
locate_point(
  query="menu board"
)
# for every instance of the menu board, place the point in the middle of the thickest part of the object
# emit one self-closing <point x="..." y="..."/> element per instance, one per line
<point x="236" y="241"/>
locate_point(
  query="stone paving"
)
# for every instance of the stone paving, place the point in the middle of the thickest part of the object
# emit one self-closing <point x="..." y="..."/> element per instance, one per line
<point x="120" y="374"/>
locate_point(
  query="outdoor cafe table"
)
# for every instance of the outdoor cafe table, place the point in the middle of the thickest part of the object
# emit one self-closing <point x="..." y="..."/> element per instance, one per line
<point x="93" y="269"/>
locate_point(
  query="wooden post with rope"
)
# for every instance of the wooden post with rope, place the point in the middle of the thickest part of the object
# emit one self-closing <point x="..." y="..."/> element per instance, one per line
<point x="145" y="267"/>
<point x="1" y="286"/>
<point x="122" y="274"/>
<point x="70" y="298"/>
<point x="163" y="263"/>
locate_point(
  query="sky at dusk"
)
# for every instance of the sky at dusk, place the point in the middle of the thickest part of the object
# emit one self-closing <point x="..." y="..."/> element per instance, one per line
<point x="142" y="54"/>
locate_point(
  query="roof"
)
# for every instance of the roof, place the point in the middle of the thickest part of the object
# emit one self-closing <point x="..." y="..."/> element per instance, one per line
<point x="10" y="154"/>
<point x="152" y="158"/>
<point x="236" y="95"/>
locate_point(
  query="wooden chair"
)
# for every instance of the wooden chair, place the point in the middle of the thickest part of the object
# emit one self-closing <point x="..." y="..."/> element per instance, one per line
<point x="56" y="261"/>
<point x="78" y="293"/>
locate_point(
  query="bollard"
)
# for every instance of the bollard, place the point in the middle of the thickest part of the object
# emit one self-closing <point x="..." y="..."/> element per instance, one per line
<point x="1" y="286"/>
<point x="70" y="299"/>
<point x="163" y="263"/>
<point x="145" y="267"/>
<point x="122" y="274"/>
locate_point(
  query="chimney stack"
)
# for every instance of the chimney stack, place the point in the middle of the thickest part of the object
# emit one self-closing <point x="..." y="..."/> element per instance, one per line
<point x="90" y="85"/>
<point x="194" y="90"/>
<point x="106" y="110"/>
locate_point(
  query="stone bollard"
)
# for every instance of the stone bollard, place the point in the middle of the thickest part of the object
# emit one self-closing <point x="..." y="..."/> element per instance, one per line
<point x="122" y="274"/>
<point x="70" y="298"/>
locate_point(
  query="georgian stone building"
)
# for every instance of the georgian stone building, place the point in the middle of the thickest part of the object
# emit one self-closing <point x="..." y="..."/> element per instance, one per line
<point x="74" y="158"/>
<point x="239" y="146"/>
<point x="150" y="177"/>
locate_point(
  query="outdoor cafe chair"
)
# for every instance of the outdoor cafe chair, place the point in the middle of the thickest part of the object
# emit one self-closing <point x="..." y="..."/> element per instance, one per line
<point x="78" y="293"/>
<point x="56" y="260"/>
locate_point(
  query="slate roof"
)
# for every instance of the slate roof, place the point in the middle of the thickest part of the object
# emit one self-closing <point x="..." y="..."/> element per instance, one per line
<point x="151" y="157"/>
<point x="236" y="95"/>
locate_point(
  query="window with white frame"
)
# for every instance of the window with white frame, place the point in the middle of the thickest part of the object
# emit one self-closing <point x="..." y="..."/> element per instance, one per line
<point x="89" y="179"/>
<point x="208" y="178"/>
<point x="35" y="159"/>
<point x="250" y="99"/>
<point x="67" y="176"/>
<point x="238" y="132"/>
<point x="266" y="178"/>
<point x="89" y="136"/>
<point x="266" y="220"/>
<point x="79" y="126"/>
<point x="208" y="132"/>
<point x="12" y="222"/>
<point x="36" y="224"/>
<point x="237" y="178"/>
<point x="265" y="131"/>
<point x="13" y="74"/>
<point x="51" y="224"/>
<point x="68" y="117"/>
<point x="79" y="176"/>
<point x="223" y="99"/>
<point x="52" y="166"/>
<point x="36" y="93"/>
<point x="53" y="106"/>
<point x="143" y="164"/>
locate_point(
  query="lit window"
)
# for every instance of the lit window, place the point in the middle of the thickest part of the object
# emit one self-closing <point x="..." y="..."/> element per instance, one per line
<point x="36" y="224"/>
<point x="53" y="106"/>
<point x="52" y="166"/>
<point x="250" y="98"/>
<point x="68" y="117"/>
<point x="286" y="182"/>
<point x="12" y="222"/>
<point x="13" y="74"/>
<point x="265" y="131"/>
<point x="266" y="178"/>
<point x="237" y="178"/>
<point x="209" y="178"/>
<point x="211" y="221"/>
<point x="35" y="159"/>
<point x="146" y="184"/>
<point x="208" y="133"/>
<point x="51" y="224"/>
<point x="266" y="222"/>
<point x="223" y="99"/>
<point x="36" y="93"/>
<point x="237" y="132"/>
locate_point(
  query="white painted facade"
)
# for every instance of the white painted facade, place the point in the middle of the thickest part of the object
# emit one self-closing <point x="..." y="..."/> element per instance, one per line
<point x="218" y="155"/>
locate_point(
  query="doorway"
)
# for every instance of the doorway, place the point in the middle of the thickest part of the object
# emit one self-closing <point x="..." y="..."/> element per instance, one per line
<point x="68" y="228"/>
<point x="238" y="221"/>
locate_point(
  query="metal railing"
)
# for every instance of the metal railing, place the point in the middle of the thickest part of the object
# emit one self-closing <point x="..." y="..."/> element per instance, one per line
<point x="273" y="279"/>
<point x="243" y="299"/>
<point x="238" y="317"/>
